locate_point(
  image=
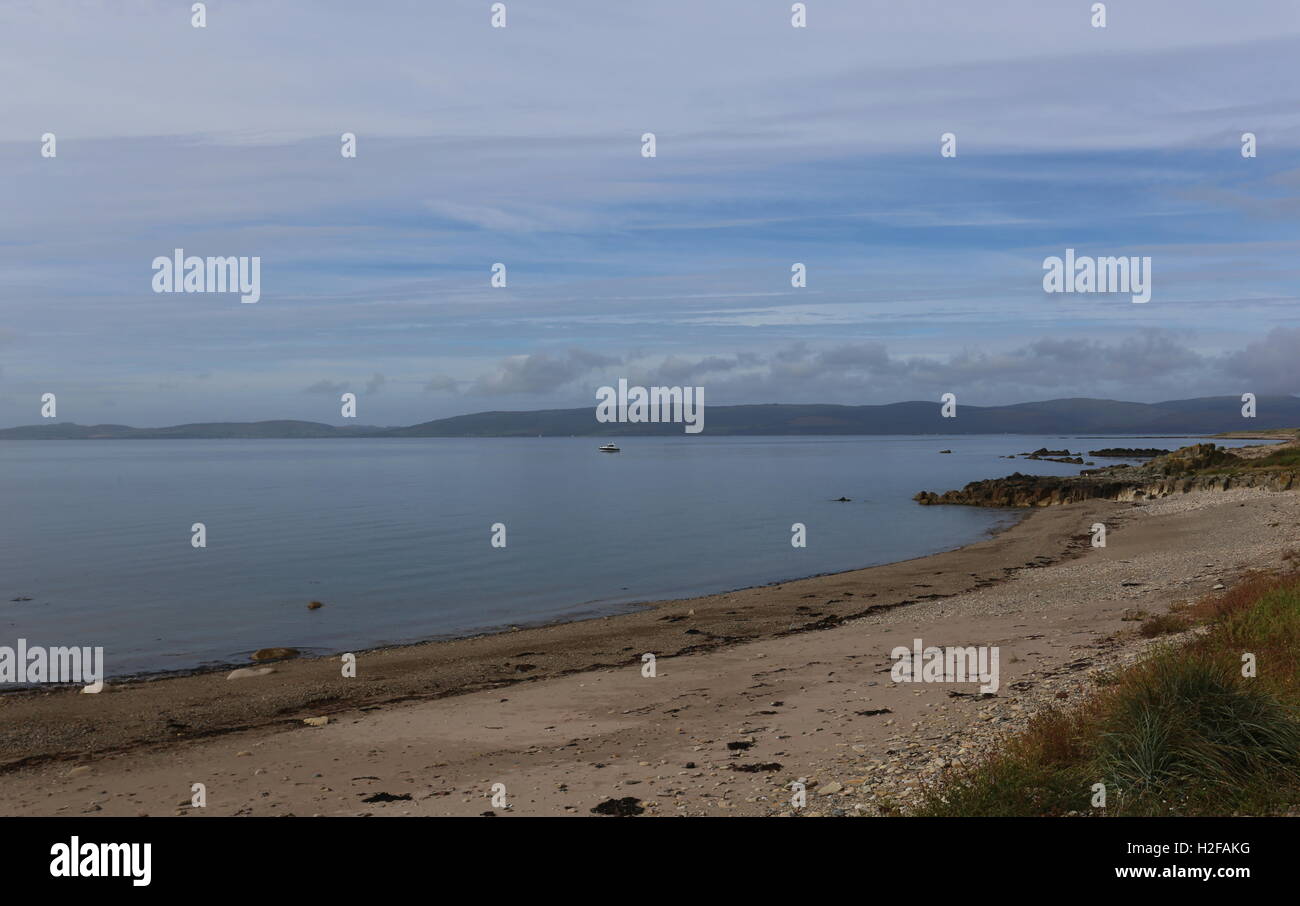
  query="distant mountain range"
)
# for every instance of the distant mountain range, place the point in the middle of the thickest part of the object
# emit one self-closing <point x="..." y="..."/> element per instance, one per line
<point x="1207" y="415"/>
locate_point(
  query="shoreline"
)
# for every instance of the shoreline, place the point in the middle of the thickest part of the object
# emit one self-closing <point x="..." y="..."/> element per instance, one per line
<point x="145" y="709"/>
<point x="148" y="709"/>
<point x="725" y="733"/>
<point x="582" y="613"/>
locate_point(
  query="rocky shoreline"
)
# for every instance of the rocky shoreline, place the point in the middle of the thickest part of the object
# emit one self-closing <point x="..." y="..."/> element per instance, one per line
<point x="1200" y="467"/>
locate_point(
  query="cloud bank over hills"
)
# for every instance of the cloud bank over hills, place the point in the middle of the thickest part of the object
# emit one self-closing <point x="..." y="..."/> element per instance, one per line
<point x="1062" y="416"/>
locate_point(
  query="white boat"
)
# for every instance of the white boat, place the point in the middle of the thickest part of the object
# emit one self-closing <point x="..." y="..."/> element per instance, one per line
<point x="608" y="448"/>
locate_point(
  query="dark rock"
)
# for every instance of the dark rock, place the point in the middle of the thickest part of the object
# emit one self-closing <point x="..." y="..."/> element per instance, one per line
<point x="273" y="654"/>
<point x="1128" y="452"/>
<point x="619" y="808"/>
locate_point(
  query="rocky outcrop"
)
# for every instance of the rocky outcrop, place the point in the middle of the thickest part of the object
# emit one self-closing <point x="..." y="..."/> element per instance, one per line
<point x="1191" y="459"/>
<point x="1128" y="452"/>
<point x="1201" y="467"/>
<point x="1064" y="456"/>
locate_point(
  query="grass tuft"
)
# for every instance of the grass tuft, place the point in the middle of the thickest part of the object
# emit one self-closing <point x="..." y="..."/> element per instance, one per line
<point x="1163" y="624"/>
<point x="1185" y="732"/>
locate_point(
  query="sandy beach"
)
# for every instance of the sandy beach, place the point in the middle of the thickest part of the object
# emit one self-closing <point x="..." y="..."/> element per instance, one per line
<point x="753" y="689"/>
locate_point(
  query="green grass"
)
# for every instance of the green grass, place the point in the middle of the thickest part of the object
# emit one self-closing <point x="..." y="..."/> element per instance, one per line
<point x="1287" y="458"/>
<point x="1278" y="433"/>
<point x="1183" y="733"/>
<point x="1163" y="624"/>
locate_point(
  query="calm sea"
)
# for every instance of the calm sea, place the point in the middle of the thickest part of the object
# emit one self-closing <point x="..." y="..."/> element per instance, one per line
<point x="393" y="536"/>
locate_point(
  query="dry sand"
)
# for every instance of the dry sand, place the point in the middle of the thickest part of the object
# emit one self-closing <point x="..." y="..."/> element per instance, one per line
<point x="563" y="717"/>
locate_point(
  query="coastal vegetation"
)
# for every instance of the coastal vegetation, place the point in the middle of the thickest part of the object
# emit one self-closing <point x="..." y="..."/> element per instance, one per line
<point x="1208" y="725"/>
<point x="1199" y="467"/>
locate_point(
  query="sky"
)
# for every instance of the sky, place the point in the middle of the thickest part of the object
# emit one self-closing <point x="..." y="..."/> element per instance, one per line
<point x="523" y="145"/>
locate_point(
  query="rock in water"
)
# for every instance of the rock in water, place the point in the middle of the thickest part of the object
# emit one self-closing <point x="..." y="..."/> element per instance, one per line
<point x="1129" y="452"/>
<point x="272" y="654"/>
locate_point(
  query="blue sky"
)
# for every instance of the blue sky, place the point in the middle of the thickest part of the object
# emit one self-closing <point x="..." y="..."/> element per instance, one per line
<point x="522" y="145"/>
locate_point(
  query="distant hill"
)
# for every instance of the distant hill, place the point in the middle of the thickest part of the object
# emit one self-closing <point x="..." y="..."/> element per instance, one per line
<point x="282" y="428"/>
<point x="1206" y="415"/>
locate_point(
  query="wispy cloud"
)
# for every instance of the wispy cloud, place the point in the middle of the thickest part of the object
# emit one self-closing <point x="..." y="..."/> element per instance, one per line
<point x="521" y="145"/>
